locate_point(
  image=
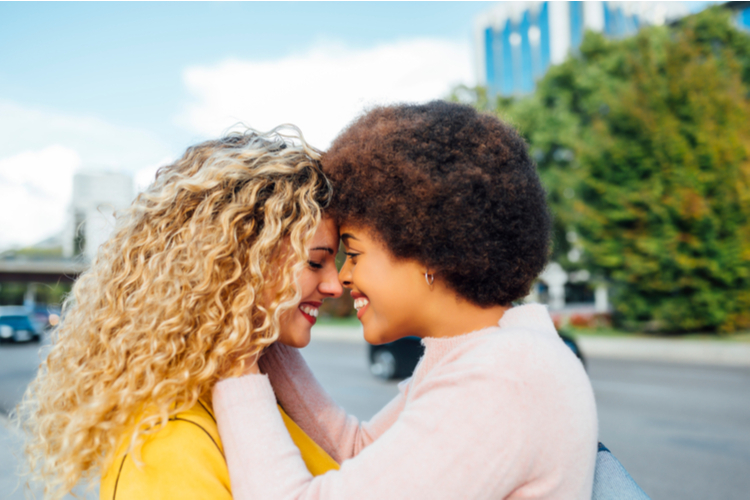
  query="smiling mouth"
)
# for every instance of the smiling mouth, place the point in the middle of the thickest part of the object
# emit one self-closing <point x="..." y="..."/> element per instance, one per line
<point x="360" y="304"/>
<point x="309" y="311"/>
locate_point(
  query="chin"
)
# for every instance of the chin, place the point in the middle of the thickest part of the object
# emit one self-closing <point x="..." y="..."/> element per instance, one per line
<point x="299" y="338"/>
<point x="298" y="343"/>
<point x="376" y="333"/>
<point x="296" y="339"/>
<point x="295" y="333"/>
<point x="374" y="337"/>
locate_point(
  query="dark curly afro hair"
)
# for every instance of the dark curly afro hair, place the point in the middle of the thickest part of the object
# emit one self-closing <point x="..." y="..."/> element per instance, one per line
<point x="449" y="187"/>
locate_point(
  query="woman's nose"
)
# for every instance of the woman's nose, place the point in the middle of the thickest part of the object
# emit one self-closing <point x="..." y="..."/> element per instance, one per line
<point x="330" y="286"/>
<point x="345" y="275"/>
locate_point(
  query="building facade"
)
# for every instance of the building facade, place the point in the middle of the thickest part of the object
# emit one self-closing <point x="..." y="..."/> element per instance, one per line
<point x="741" y="14"/>
<point x="96" y="196"/>
<point x="518" y="41"/>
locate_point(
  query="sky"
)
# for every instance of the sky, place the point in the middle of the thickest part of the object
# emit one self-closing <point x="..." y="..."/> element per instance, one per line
<point x="129" y="86"/>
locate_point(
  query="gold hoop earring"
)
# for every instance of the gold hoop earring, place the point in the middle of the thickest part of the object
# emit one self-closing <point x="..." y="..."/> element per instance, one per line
<point x="429" y="278"/>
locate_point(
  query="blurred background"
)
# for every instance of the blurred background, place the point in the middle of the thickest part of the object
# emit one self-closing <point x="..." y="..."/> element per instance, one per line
<point x="636" y="113"/>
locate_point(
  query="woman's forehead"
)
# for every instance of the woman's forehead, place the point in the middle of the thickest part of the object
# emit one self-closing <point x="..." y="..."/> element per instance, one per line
<point x="327" y="234"/>
<point x="358" y="231"/>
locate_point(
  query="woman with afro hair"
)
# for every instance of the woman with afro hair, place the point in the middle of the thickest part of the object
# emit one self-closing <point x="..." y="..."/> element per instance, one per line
<point x="445" y="225"/>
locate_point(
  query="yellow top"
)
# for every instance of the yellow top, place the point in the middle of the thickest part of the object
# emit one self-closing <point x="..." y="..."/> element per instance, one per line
<point x="185" y="460"/>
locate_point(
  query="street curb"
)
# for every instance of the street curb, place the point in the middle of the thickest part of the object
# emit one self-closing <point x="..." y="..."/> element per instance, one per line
<point x="701" y="352"/>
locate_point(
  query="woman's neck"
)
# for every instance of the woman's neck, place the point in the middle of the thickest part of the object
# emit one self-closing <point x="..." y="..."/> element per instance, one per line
<point x="449" y="316"/>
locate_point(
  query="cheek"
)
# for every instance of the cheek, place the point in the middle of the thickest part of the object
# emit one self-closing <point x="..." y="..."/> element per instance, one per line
<point x="389" y="296"/>
<point x="308" y="282"/>
<point x="394" y="315"/>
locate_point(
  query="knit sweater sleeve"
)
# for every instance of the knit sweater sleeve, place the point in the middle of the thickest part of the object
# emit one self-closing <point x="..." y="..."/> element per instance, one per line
<point x="310" y="406"/>
<point x="443" y="446"/>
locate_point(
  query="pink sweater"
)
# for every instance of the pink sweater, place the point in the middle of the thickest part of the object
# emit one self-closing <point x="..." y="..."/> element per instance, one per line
<point x="502" y="412"/>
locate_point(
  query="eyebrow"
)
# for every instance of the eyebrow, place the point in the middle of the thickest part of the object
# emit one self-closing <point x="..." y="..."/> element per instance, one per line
<point x="346" y="237"/>
<point x="325" y="249"/>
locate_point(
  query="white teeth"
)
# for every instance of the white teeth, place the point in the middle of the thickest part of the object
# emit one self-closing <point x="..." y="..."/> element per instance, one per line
<point x="310" y="310"/>
<point x="360" y="302"/>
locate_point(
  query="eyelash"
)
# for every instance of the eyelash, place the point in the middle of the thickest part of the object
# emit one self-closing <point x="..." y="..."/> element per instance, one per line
<point x="315" y="265"/>
<point x="351" y="255"/>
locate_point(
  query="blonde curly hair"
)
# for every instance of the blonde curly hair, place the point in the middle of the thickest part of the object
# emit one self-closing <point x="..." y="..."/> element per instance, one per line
<point x="194" y="280"/>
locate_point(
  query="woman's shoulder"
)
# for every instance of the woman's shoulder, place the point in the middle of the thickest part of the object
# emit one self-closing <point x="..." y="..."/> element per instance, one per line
<point x="534" y="357"/>
<point x="183" y="458"/>
<point x="192" y="432"/>
<point x="524" y="349"/>
<point x="525" y="337"/>
<point x="201" y="424"/>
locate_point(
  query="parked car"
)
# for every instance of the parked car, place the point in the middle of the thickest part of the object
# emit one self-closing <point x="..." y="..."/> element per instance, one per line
<point x="398" y="359"/>
<point x="571" y="342"/>
<point x="16" y="326"/>
<point x="395" y="359"/>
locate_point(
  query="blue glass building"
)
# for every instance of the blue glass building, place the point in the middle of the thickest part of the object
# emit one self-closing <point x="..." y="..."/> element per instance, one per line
<point x="518" y="41"/>
<point x="742" y="14"/>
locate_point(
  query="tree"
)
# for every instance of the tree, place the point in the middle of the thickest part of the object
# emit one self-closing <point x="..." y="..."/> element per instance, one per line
<point x="644" y="146"/>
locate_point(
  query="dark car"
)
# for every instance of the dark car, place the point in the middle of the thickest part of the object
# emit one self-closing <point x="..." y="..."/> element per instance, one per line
<point x="17" y="328"/>
<point x="395" y="359"/>
<point x="398" y="359"/>
<point x="570" y="342"/>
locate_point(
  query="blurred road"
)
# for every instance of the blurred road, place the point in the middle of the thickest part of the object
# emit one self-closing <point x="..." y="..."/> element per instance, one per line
<point x="682" y="431"/>
<point x="18" y="365"/>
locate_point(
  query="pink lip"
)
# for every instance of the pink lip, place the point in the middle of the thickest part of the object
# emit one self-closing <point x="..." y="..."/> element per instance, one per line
<point x="361" y="312"/>
<point x="311" y="319"/>
<point x="357" y="295"/>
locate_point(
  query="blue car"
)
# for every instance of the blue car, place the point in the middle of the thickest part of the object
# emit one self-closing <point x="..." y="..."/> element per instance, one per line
<point x="17" y="328"/>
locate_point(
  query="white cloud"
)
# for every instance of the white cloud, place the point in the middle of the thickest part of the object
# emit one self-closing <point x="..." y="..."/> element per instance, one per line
<point x="322" y="90"/>
<point x="35" y="189"/>
<point x="40" y="152"/>
<point x="99" y="143"/>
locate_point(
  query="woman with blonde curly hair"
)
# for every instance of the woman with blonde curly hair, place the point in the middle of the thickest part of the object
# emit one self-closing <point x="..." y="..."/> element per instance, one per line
<point x="224" y="254"/>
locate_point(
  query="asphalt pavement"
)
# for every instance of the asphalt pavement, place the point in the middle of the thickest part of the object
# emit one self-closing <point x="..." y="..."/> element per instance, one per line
<point x="681" y="430"/>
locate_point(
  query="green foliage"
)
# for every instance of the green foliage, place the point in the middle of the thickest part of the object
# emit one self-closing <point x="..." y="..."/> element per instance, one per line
<point x="33" y="253"/>
<point x="52" y="294"/>
<point x="644" y="146"/>
<point x="12" y="293"/>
